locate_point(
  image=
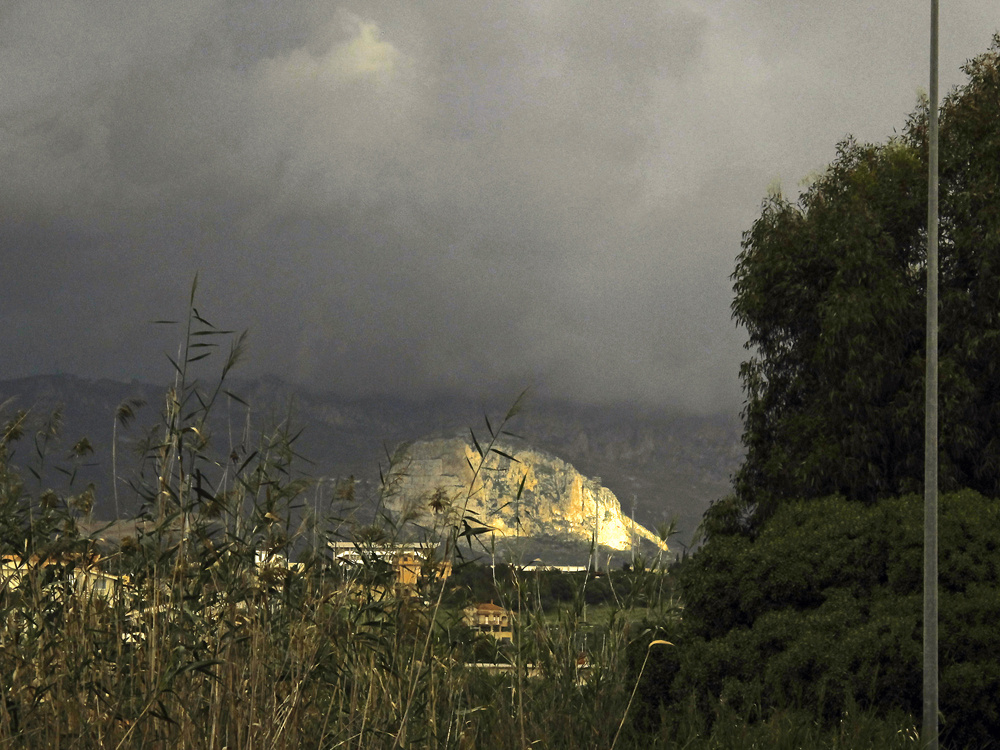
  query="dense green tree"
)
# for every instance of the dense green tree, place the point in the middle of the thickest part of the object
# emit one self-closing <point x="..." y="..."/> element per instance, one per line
<point x="821" y="613"/>
<point x="806" y="596"/>
<point x="830" y="289"/>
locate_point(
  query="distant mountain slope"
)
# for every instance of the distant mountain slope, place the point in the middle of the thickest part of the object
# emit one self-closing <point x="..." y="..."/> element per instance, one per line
<point x="514" y="489"/>
<point x="659" y="464"/>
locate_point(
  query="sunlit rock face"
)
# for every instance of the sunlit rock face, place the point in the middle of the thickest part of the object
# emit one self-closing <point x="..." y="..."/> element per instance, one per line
<point x="441" y="480"/>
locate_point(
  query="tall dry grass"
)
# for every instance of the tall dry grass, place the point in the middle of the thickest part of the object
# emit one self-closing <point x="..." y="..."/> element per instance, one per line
<point x="209" y="638"/>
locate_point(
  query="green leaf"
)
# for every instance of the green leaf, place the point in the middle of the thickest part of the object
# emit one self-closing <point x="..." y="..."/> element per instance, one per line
<point x="236" y="398"/>
<point x="520" y="487"/>
<point x="516" y="407"/>
<point x="176" y="367"/>
<point x="505" y="455"/>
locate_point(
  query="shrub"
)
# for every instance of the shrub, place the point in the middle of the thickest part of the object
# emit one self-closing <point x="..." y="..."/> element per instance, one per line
<point x="822" y="611"/>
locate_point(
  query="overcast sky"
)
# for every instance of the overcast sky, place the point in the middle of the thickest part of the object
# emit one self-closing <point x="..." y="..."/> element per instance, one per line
<point x="409" y="197"/>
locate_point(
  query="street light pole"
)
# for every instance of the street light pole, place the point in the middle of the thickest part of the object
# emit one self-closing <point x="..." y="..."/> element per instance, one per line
<point x="929" y="731"/>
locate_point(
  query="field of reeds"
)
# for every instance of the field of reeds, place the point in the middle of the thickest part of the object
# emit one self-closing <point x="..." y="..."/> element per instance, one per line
<point x="221" y="618"/>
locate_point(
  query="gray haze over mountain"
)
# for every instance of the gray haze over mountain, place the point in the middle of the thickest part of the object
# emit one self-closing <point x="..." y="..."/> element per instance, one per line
<point x="661" y="465"/>
<point x="420" y="197"/>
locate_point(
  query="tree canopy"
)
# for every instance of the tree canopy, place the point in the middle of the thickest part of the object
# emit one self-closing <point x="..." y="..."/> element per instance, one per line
<point x="821" y="612"/>
<point x="806" y="595"/>
<point x="831" y="290"/>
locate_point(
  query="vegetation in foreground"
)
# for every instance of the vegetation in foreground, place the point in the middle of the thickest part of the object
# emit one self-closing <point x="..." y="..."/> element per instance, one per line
<point x="807" y="592"/>
<point x="195" y="631"/>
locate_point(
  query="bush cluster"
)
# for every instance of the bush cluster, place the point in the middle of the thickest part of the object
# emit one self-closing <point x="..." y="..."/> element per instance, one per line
<point x="821" y="613"/>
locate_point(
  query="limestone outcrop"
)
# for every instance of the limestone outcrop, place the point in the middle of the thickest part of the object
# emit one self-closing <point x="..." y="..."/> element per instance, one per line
<point x="440" y="480"/>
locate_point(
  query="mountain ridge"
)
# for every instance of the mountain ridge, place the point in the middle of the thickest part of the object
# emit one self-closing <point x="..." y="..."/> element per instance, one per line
<point x="661" y="464"/>
<point x="513" y="488"/>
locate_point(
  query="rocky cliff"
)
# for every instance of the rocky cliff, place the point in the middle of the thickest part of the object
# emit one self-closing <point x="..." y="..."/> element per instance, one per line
<point x="435" y="480"/>
<point x="663" y="465"/>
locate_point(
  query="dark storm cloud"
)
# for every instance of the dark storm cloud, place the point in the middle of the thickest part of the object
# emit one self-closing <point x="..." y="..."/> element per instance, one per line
<point x="421" y="196"/>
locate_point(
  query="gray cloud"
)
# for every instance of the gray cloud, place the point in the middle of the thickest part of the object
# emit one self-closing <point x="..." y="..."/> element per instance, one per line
<point x="418" y="197"/>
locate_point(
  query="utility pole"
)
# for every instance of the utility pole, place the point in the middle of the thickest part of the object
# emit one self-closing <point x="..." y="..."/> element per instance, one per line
<point x="929" y="728"/>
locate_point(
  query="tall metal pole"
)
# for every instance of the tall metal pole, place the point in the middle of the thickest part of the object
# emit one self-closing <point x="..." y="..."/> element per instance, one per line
<point x="929" y="733"/>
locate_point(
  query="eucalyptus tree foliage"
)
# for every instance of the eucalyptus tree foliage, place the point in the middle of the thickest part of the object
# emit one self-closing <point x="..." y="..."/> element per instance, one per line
<point x="821" y="613"/>
<point x="830" y="289"/>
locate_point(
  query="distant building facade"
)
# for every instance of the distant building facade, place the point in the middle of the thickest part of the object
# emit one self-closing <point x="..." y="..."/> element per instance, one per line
<point x="412" y="564"/>
<point x="490" y="619"/>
